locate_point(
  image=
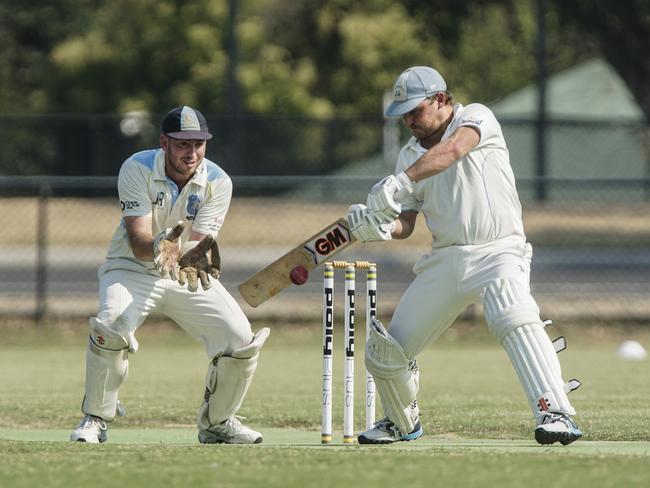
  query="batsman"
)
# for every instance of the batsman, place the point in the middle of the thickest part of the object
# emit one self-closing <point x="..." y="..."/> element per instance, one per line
<point x="456" y="171"/>
<point x="164" y="258"/>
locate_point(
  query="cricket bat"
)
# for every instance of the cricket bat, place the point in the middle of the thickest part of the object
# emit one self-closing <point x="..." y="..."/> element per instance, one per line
<point x="320" y="247"/>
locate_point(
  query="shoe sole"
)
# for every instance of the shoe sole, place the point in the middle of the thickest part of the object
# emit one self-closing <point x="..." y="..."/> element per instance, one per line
<point x="101" y="438"/>
<point x="99" y="441"/>
<point x="407" y="438"/>
<point x="413" y="435"/>
<point x="365" y="440"/>
<point x="222" y="441"/>
<point x="564" y="438"/>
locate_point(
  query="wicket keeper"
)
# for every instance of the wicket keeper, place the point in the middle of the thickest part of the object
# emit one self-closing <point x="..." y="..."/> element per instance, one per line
<point x="164" y="258"/>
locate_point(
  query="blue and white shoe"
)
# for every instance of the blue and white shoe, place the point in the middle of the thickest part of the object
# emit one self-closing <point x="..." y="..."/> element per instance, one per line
<point x="557" y="427"/>
<point x="386" y="432"/>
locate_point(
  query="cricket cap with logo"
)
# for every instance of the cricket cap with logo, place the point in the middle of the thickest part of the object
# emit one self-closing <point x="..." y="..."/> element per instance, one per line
<point x="412" y="86"/>
<point x="185" y="123"/>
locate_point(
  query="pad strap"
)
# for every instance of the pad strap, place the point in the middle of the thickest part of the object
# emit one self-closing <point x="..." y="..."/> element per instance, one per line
<point x="559" y="345"/>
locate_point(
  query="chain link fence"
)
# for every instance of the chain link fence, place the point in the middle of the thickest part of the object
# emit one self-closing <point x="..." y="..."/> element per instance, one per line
<point x="292" y="176"/>
<point x="591" y="261"/>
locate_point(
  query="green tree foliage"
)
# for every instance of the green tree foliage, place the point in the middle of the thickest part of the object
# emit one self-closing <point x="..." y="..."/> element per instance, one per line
<point x="27" y="35"/>
<point x="144" y="55"/>
<point x="299" y="57"/>
<point x="621" y="30"/>
<point x="346" y="53"/>
<point x="490" y="45"/>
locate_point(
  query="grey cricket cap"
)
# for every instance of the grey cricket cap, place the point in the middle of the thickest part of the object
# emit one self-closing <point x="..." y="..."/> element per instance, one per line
<point x="185" y="123"/>
<point x="411" y="87"/>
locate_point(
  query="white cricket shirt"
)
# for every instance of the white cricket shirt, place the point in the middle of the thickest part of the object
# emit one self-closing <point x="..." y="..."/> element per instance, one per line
<point x="144" y="189"/>
<point x="474" y="200"/>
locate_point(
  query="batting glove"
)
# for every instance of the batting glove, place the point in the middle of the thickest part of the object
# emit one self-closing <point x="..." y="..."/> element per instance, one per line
<point x="200" y="262"/>
<point x="356" y="215"/>
<point x="167" y="250"/>
<point x="382" y="197"/>
<point x="366" y="227"/>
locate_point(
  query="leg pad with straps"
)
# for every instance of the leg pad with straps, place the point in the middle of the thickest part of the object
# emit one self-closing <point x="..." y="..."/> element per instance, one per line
<point x="107" y="367"/>
<point x="396" y="379"/>
<point x="227" y="382"/>
<point x="534" y="358"/>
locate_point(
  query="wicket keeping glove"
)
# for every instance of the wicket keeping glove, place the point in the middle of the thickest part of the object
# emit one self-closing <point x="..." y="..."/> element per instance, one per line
<point x="382" y="197"/>
<point x="167" y="250"/>
<point x="199" y="262"/>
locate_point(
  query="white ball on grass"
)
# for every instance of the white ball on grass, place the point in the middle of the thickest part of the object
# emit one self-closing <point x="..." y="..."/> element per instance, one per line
<point x="632" y="350"/>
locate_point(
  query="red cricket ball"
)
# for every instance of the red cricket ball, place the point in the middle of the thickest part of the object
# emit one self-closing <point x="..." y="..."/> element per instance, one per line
<point x="299" y="275"/>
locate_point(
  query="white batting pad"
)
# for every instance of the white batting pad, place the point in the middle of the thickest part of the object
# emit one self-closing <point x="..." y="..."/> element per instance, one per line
<point x="396" y="382"/>
<point x="508" y="304"/>
<point x="534" y="358"/>
<point x="107" y="366"/>
<point x="227" y="382"/>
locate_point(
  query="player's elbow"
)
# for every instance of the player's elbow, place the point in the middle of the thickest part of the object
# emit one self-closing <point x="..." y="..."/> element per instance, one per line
<point x="461" y="143"/>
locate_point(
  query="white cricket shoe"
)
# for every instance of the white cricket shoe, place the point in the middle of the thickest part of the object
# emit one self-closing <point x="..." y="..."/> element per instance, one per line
<point x="230" y="431"/>
<point x="386" y="432"/>
<point x="557" y="427"/>
<point x="91" y="429"/>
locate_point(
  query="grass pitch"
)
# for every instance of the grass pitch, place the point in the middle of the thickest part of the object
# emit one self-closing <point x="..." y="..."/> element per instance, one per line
<point x="478" y="429"/>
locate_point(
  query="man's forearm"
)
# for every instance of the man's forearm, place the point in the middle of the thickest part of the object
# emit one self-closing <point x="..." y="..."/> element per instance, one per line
<point x="444" y="154"/>
<point x="435" y="160"/>
<point x="141" y="240"/>
<point x="142" y="247"/>
<point x="404" y="225"/>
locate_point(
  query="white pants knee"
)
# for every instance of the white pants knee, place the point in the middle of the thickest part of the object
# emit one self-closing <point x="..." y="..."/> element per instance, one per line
<point x="212" y="317"/>
<point x="450" y="279"/>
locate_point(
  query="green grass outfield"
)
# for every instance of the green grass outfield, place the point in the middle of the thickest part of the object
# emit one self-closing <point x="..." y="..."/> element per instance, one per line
<point x="478" y="429"/>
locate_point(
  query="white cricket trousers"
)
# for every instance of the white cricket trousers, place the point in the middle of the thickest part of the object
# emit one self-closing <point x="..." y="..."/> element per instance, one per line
<point x="451" y="278"/>
<point x="212" y="317"/>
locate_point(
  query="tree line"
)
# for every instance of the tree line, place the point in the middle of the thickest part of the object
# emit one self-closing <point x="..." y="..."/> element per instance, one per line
<point x="317" y="58"/>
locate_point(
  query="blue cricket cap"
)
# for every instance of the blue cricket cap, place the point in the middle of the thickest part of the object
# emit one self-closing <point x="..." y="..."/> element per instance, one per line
<point x="185" y="123"/>
<point x="411" y="87"/>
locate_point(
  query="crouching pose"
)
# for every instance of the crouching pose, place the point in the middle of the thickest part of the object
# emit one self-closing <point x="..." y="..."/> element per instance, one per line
<point x="456" y="171"/>
<point x="164" y="258"/>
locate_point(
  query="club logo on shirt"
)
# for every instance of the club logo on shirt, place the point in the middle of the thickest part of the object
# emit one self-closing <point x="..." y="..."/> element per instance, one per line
<point x="470" y="120"/>
<point x="126" y="205"/>
<point x="193" y="203"/>
<point x="160" y="199"/>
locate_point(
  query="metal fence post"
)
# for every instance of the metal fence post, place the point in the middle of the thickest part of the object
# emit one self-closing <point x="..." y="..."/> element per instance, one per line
<point x="541" y="170"/>
<point x="45" y="192"/>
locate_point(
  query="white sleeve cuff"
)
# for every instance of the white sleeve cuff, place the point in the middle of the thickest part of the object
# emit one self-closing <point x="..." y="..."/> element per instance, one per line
<point x="405" y="182"/>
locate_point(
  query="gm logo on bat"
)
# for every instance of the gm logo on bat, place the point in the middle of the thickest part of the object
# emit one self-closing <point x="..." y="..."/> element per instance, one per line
<point x="328" y="243"/>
